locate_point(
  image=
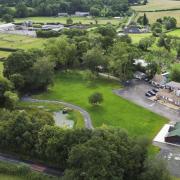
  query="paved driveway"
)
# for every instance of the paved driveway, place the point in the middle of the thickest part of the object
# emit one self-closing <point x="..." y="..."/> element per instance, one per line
<point x="136" y="92"/>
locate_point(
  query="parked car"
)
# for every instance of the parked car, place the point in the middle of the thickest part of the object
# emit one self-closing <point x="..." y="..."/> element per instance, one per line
<point x="148" y="95"/>
<point x="152" y="93"/>
<point x="155" y="90"/>
<point x="146" y="79"/>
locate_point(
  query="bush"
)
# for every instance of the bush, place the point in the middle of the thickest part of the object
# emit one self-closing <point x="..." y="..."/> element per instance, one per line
<point x="96" y="98"/>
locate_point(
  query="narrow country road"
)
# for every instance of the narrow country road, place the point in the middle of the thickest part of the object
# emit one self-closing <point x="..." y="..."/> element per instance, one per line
<point x="87" y="118"/>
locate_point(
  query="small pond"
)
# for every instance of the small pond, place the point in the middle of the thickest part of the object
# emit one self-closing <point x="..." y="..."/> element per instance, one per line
<point x="62" y="120"/>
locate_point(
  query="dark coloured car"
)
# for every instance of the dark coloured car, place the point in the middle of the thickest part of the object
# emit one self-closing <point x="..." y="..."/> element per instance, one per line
<point x="152" y="93"/>
<point x="155" y="90"/>
<point x="148" y="95"/>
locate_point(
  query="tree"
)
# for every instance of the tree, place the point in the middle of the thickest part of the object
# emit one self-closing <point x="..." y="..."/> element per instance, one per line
<point x="145" y="43"/>
<point x="122" y="57"/>
<point x="175" y="72"/>
<point x="94" y="11"/>
<point x="69" y="21"/>
<point x="7" y="18"/>
<point x="94" y="58"/>
<point x="61" y="52"/>
<point x="156" y="28"/>
<point x="42" y="73"/>
<point x="11" y="100"/>
<point x="164" y="41"/>
<point x="96" y="98"/>
<point x="169" y="22"/>
<point x="21" y="10"/>
<point x="143" y="20"/>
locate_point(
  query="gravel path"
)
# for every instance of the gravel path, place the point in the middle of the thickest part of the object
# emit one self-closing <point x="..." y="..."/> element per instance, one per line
<point x="87" y="118"/>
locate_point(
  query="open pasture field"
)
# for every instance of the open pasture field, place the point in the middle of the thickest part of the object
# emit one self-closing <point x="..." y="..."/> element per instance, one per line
<point x="154" y="5"/>
<point x="18" y="42"/>
<point x="74" y="87"/>
<point x="83" y="20"/>
<point x="153" y="16"/>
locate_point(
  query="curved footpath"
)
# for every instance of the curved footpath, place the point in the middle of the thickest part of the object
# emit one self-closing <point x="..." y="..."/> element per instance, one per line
<point x="87" y="118"/>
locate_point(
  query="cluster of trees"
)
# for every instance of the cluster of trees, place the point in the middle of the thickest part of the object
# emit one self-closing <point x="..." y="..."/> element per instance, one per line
<point x="81" y="153"/>
<point x="166" y="23"/>
<point x="8" y="98"/>
<point x="24" y="8"/>
<point x="29" y="70"/>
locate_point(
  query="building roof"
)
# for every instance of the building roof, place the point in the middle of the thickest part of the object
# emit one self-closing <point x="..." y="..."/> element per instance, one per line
<point x="171" y="95"/>
<point x="6" y="25"/>
<point x="174" y="85"/>
<point x="175" y="131"/>
<point x="158" y="78"/>
<point x="141" y="62"/>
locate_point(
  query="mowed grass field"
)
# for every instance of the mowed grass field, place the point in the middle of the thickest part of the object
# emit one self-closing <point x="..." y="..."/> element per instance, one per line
<point x="153" y="5"/>
<point x="153" y="16"/>
<point x="19" y="41"/>
<point x="116" y="112"/>
<point x="83" y="20"/>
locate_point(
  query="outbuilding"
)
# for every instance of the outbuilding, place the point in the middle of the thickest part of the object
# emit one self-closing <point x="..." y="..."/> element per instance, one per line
<point x="7" y="27"/>
<point x="174" y="134"/>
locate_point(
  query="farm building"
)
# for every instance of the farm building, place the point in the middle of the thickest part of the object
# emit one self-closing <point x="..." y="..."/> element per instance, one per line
<point x="79" y="13"/>
<point x="159" y="80"/>
<point x="132" y="29"/>
<point x="52" y="27"/>
<point x="62" y="14"/>
<point x="174" y="134"/>
<point x="169" y="96"/>
<point x="173" y="85"/>
<point x="7" y="27"/>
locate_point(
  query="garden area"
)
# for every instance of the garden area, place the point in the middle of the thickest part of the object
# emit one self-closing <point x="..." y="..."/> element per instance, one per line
<point x="75" y="87"/>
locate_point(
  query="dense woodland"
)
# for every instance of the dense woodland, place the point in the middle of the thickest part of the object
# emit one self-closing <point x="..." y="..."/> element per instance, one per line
<point x="52" y="8"/>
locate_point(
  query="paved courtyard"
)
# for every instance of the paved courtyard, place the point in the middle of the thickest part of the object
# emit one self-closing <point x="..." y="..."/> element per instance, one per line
<point x="136" y="92"/>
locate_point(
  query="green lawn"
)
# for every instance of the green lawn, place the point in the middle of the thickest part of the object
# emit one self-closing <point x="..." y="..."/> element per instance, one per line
<point x="115" y="111"/>
<point x="10" y="177"/>
<point x="137" y="37"/>
<point x="83" y="20"/>
<point x="20" y="42"/>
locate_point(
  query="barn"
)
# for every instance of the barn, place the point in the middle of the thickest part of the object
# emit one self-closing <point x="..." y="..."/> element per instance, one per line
<point x="174" y="134"/>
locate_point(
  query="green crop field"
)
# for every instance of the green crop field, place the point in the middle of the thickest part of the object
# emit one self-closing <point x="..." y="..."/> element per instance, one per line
<point x="153" y="16"/>
<point x="115" y="111"/>
<point x="83" y="20"/>
<point x="18" y="41"/>
<point x="158" y="5"/>
<point x="175" y="33"/>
